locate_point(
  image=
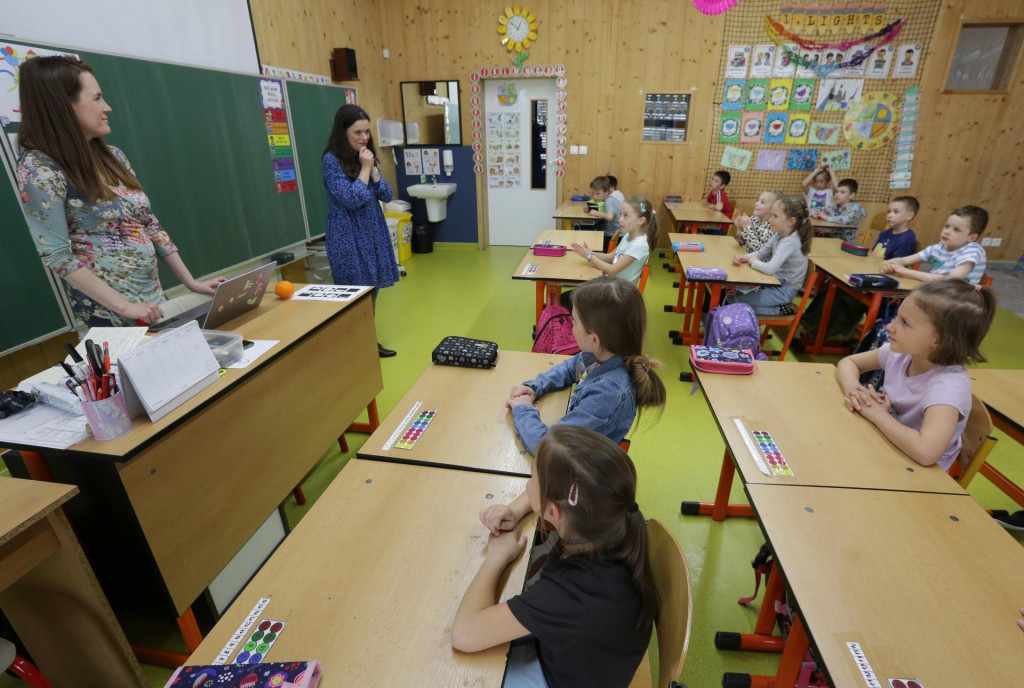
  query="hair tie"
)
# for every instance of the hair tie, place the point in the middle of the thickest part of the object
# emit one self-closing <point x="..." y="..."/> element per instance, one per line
<point x="633" y="509"/>
<point x="977" y="287"/>
<point x="643" y="208"/>
<point x="574" y="493"/>
<point x="653" y="211"/>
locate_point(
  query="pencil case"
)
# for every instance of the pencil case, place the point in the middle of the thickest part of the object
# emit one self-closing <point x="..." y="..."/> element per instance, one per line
<point x="855" y="249"/>
<point x="695" y="246"/>
<point x="705" y="274"/>
<point x="549" y="250"/>
<point x="465" y="353"/>
<point x="282" y="674"/>
<point x="711" y="359"/>
<point x="870" y="280"/>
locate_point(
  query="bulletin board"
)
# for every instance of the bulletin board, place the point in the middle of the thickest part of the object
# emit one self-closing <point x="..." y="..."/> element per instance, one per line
<point x="803" y="83"/>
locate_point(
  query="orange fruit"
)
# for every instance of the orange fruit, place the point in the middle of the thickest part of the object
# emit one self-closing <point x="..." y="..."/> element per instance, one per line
<point x="284" y="289"/>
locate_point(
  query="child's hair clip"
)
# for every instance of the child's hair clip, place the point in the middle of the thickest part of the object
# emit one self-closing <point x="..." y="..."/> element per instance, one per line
<point x="574" y="493"/>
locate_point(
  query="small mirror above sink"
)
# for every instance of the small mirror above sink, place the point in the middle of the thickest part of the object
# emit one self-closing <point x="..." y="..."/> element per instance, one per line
<point x="432" y="112"/>
<point x="436" y="196"/>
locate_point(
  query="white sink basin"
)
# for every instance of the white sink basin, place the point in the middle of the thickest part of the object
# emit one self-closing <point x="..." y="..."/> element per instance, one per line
<point x="436" y="197"/>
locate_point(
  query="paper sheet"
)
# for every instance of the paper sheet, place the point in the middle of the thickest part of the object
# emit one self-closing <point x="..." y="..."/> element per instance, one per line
<point x="169" y="365"/>
<point x="43" y="426"/>
<point x="121" y="339"/>
<point x="258" y="348"/>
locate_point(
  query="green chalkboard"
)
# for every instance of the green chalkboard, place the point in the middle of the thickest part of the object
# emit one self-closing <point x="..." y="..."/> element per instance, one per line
<point x="312" y="111"/>
<point x="30" y="309"/>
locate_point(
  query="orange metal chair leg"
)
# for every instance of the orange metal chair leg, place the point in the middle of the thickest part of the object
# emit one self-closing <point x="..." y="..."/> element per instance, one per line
<point x="367" y="428"/>
<point x="342" y="443"/>
<point x="721" y="507"/>
<point x="1011" y="488"/>
<point x="300" y="496"/>
<point x="36" y="466"/>
<point x="166" y="658"/>
<point x="792" y="663"/>
<point x="762" y="639"/>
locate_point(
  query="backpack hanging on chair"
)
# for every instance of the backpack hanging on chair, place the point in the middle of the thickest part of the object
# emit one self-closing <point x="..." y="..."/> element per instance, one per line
<point x="734" y="326"/>
<point x="554" y="330"/>
<point x="875" y="338"/>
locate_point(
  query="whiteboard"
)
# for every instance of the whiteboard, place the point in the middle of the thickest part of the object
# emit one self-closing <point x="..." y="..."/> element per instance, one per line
<point x="206" y="33"/>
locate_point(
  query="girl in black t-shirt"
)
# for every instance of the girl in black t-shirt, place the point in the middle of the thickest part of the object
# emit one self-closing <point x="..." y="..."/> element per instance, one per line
<point x="590" y="615"/>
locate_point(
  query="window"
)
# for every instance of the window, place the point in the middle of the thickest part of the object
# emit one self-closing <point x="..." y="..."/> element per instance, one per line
<point x="986" y="55"/>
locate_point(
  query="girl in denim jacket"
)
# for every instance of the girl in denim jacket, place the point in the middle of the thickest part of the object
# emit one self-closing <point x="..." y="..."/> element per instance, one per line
<point x="612" y="376"/>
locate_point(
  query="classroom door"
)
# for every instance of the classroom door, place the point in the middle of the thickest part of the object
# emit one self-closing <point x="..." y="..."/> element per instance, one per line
<point x="519" y="153"/>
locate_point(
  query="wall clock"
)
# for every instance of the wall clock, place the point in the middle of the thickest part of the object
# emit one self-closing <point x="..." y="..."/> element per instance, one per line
<point x="517" y="28"/>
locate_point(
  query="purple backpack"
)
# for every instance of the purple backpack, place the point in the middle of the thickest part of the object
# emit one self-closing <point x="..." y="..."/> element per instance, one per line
<point x="554" y="330"/>
<point x="734" y="327"/>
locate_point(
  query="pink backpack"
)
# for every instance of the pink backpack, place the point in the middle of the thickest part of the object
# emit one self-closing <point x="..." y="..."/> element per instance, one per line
<point x="553" y="334"/>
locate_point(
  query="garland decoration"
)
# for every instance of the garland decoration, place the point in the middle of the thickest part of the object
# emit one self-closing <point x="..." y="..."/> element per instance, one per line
<point x="777" y="29"/>
<point x="712" y="7"/>
<point x="780" y="36"/>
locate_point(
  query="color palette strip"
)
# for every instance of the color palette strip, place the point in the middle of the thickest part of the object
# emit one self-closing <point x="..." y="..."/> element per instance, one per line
<point x="401" y="426"/>
<point x="259" y="643"/>
<point x="412" y="435"/>
<point x="777" y="463"/>
<point x="755" y="453"/>
<point x="240" y="633"/>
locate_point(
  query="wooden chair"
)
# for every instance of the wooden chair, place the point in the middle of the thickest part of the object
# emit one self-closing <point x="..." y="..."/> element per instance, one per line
<point x="986" y="281"/>
<point x="869" y="238"/>
<point x="672" y="578"/>
<point x="643" y="278"/>
<point x="976" y="444"/>
<point x="791" y="321"/>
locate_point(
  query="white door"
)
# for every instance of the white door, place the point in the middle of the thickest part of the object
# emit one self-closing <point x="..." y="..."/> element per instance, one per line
<point x="515" y="114"/>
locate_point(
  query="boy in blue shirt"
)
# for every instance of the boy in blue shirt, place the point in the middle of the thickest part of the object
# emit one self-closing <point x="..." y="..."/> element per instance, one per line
<point x="842" y="209"/>
<point x="957" y="255"/>
<point x="608" y="219"/>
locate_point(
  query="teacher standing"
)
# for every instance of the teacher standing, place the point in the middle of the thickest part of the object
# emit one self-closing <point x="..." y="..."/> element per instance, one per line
<point x="90" y="220"/>
<point x="358" y="241"/>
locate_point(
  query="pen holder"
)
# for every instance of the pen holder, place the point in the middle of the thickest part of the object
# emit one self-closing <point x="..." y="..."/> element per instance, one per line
<point x="108" y="418"/>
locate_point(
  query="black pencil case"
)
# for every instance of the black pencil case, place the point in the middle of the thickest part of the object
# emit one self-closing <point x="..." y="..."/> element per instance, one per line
<point x="465" y="353"/>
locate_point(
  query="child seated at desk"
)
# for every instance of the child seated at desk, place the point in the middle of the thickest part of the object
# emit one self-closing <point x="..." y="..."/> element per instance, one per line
<point x="608" y="219"/>
<point x="927" y="396"/>
<point x="639" y="225"/>
<point x="818" y="187"/>
<point x="842" y="209"/>
<point x="958" y="253"/>
<point x="755" y="230"/>
<point x="587" y="621"/>
<point x="717" y="198"/>
<point x="611" y="373"/>
<point x="785" y="256"/>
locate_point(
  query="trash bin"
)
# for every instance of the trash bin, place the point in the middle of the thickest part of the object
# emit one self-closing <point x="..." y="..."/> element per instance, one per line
<point x="422" y="239"/>
<point x="400" y="227"/>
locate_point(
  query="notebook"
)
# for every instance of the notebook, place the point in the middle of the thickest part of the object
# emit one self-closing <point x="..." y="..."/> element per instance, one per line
<point x="234" y="297"/>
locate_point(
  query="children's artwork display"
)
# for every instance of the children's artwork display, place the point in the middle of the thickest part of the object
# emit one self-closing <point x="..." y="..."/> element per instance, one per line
<point x="736" y="158"/>
<point x="803" y="95"/>
<point x="796" y="130"/>
<point x="413" y="161"/>
<point x="878" y="65"/>
<point x="802" y="159"/>
<point x="733" y="94"/>
<point x="761" y="61"/>
<point x="824" y="133"/>
<point x="907" y="57"/>
<point x="806" y="66"/>
<point x="838" y="94"/>
<point x="775" y="127"/>
<point x="729" y="129"/>
<point x="13" y="55"/>
<point x="778" y="94"/>
<point x="785" y="67"/>
<point x="757" y="94"/>
<point x="739" y="57"/>
<point x="770" y="160"/>
<point x="752" y="128"/>
<point x="857" y="58"/>
<point x="871" y="123"/>
<point x="839" y="159"/>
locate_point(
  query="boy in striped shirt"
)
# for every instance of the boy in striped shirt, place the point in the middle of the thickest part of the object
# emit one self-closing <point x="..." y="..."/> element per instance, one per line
<point x="957" y="255"/>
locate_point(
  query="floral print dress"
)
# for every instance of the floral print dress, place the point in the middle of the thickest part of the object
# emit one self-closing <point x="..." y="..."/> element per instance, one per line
<point x="119" y="240"/>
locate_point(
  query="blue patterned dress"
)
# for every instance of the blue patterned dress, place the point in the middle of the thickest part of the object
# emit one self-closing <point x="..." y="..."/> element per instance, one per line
<point x="358" y="242"/>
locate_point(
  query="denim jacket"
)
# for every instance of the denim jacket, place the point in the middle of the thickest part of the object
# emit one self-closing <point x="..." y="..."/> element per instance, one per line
<point x="604" y="399"/>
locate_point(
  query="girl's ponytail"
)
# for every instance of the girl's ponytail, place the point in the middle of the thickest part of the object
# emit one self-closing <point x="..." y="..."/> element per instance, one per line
<point x="650" y="390"/>
<point x="796" y="208"/>
<point x="635" y="554"/>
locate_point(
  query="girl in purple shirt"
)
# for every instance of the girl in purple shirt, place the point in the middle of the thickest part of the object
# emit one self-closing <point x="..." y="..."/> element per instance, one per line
<point x="927" y="396"/>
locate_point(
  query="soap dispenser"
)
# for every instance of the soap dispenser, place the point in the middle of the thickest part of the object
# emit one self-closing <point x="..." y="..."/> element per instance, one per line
<point x="448" y="162"/>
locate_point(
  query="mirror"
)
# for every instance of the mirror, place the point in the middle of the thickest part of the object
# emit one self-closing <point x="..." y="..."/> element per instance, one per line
<point x="432" y="113"/>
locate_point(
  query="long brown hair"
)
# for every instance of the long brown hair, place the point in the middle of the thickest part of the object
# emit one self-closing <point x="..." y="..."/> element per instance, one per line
<point x="601" y="479"/>
<point x="642" y="207"/>
<point x="796" y="208"/>
<point x="337" y="142"/>
<point x="613" y="309"/>
<point x="961" y="314"/>
<point x="48" y="87"/>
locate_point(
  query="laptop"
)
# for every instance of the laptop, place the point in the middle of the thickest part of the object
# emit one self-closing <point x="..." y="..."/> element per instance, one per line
<point x="234" y="297"/>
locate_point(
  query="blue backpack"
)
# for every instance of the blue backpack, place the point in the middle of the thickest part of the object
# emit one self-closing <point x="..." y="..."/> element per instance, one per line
<point x="734" y="326"/>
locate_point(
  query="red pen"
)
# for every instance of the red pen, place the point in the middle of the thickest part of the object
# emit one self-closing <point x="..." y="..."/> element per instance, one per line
<point x="106" y="357"/>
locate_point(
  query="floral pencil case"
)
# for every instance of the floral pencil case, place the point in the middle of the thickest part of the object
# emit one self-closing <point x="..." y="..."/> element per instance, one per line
<point x="705" y="274"/>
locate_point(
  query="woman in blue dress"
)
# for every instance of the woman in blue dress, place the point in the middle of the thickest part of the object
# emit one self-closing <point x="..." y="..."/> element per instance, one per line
<point x="358" y="241"/>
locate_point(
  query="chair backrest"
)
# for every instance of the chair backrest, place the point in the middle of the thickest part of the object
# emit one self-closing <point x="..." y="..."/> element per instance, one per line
<point x="672" y="578"/>
<point x="975" y="443"/>
<point x="986" y="280"/>
<point x="643" y="278"/>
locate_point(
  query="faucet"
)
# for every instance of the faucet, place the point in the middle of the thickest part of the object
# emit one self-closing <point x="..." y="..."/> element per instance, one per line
<point x="433" y="179"/>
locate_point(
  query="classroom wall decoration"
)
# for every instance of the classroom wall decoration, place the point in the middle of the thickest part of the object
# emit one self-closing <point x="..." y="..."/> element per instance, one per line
<point x="294" y="75"/>
<point x="12" y="56"/>
<point x="275" y="117"/>
<point x="808" y="83"/>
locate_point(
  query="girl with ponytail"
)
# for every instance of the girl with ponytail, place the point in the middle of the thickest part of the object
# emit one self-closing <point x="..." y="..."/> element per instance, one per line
<point x="588" y="618"/>
<point x="613" y="377"/>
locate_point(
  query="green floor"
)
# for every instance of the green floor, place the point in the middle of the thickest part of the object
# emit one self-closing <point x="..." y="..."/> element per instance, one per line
<point x="458" y="290"/>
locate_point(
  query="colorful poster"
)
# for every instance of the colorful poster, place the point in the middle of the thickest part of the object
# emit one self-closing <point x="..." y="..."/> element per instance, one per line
<point x="729" y="129"/>
<point x="871" y="124"/>
<point x="733" y="94"/>
<point x="775" y="127"/>
<point x="12" y="56"/>
<point x="281" y="73"/>
<point x="857" y="52"/>
<point x="813" y="57"/>
<point x="275" y="118"/>
<point x="803" y="95"/>
<point x="796" y="130"/>
<point x="752" y="128"/>
<point x="838" y="159"/>
<point x="736" y="158"/>
<point x="413" y="161"/>
<point x="824" y="133"/>
<point x="907" y="57"/>
<point x="878" y="63"/>
<point x="761" y="61"/>
<point x="802" y="159"/>
<point x="770" y="160"/>
<point x="432" y="161"/>
<point x="830" y="59"/>
<point x="779" y="93"/>
<point x="736" y="66"/>
<point x="757" y="94"/>
<point x="838" y="94"/>
<point x="784" y="66"/>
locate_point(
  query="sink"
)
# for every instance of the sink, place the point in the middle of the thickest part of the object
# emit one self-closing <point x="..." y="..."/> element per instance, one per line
<point x="436" y="197"/>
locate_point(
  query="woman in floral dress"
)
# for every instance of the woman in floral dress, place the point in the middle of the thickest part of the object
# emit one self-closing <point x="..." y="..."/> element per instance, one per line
<point x="91" y="222"/>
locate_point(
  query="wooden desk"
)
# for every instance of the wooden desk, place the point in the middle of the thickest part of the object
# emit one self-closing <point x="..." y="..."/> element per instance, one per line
<point x="690" y="214"/>
<point x="928" y="585"/>
<point x="370" y="579"/>
<point x="839" y="269"/>
<point x="165" y="507"/>
<point x="473" y="429"/>
<point x="1001" y="392"/>
<point x="718" y="253"/>
<point x="829" y="229"/>
<point x="824" y="247"/>
<point x="50" y="595"/>
<point x="568" y="268"/>
<point x="801" y="405"/>
<point x="573" y="211"/>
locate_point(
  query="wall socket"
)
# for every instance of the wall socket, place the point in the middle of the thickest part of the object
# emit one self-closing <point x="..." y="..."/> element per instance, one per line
<point x="583" y="150"/>
<point x="997" y="241"/>
<point x="574" y="150"/>
<point x="987" y="241"/>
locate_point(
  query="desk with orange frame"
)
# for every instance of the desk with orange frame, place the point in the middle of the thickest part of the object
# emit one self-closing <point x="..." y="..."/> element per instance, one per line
<point x="894" y="587"/>
<point x="50" y="595"/>
<point x="838" y="271"/>
<point x="370" y="579"/>
<point x="690" y="215"/>
<point x="824" y="228"/>
<point x="572" y="213"/>
<point x="1001" y="392"/>
<point x="718" y="253"/>
<point x="552" y="271"/>
<point x="164" y="508"/>
<point x="472" y="429"/>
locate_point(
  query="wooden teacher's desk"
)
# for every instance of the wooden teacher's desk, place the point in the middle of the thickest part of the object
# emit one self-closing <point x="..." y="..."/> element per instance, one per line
<point x="906" y="585"/>
<point x="552" y="270"/>
<point x="50" y="595"/>
<point x="165" y="507"/>
<point x="369" y="581"/>
<point x="1001" y="392"/>
<point x="472" y="429"/>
